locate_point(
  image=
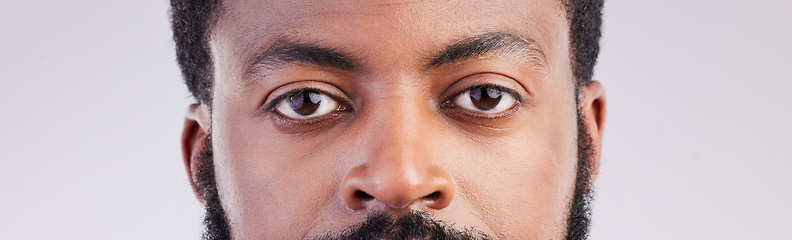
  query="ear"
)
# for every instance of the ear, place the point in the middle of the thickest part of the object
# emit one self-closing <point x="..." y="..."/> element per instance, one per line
<point x="196" y="125"/>
<point x="593" y="107"/>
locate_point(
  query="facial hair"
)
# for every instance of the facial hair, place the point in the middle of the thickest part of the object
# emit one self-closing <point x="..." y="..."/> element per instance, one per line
<point x="416" y="225"/>
<point x="215" y="221"/>
<point x="579" y="215"/>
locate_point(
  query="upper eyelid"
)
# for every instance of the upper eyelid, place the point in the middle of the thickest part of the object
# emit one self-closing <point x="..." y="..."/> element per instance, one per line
<point x="515" y="84"/>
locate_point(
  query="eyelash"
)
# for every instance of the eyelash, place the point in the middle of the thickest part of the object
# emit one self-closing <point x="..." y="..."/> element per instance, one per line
<point x="449" y="102"/>
<point x="269" y="108"/>
<point x="498" y="87"/>
<point x="344" y="106"/>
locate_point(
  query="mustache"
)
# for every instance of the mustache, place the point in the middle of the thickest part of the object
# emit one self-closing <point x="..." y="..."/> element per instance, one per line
<point x="414" y="225"/>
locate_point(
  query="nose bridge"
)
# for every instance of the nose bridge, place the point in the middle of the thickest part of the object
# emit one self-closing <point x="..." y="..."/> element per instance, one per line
<point x="402" y="121"/>
<point x="400" y="157"/>
<point x="399" y="168"/>
<point x="400" y="129"/>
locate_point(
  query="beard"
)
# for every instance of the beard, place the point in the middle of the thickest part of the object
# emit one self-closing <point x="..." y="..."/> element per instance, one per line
<point x="415" y="225"/>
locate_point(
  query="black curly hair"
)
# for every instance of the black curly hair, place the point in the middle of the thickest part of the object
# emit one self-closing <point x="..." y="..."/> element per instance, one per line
<point x="192" y="22"/>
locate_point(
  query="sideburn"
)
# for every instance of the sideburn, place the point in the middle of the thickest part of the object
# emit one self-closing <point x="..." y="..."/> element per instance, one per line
<point x="215" y="221"/>
<point x="579" y="216"/>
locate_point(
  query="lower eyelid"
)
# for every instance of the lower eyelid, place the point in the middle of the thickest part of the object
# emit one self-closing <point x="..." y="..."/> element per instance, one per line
<point x="284" y="122"/>
<point x="505" y="113"/>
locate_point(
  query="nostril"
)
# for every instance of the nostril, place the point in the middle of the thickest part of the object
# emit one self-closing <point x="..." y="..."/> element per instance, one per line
<point x="432" y="196"/>
<point x="363" y="195"/>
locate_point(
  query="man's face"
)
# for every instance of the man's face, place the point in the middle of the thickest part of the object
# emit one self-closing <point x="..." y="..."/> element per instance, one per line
<point x="326" y="113"/>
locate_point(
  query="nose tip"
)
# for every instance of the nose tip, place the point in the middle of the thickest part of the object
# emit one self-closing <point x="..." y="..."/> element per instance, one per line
<point x="365" y="187"/>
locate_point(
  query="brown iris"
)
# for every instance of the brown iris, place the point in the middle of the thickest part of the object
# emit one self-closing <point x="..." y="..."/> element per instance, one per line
<point x="485" y="98"/>
<point x="305" y="102"/>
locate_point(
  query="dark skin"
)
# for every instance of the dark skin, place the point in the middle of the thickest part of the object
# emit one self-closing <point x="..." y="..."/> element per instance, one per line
<point x="398" y="122"/>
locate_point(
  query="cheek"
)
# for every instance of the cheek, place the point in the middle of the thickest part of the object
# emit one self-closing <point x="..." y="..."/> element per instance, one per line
<point x="521" y="183"/>
<point x="269" y="184"/>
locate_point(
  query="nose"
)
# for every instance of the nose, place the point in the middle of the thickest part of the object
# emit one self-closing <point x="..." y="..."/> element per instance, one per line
<point x="400" y="171"/>
<point x="397" y="187"/>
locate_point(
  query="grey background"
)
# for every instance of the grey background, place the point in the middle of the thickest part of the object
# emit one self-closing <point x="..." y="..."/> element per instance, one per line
<point x="696" y="146"/>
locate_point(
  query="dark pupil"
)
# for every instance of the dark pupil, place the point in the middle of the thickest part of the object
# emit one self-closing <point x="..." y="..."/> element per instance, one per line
<point x="485" y="98"/>
<point x="305" y="102"/>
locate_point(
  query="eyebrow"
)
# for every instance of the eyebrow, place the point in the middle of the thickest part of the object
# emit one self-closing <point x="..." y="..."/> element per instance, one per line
<point x="488" y="43"/>
<point x="285" y="51"/>
<point x="289" y="51"/>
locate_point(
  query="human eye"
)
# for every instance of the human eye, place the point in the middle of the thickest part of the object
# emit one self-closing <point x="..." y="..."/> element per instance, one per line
<point x="486" y="101"/>
<point x="306" y="105"/>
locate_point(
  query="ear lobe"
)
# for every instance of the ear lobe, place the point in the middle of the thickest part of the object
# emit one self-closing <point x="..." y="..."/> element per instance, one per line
<point x="196" y="123"/>
<point x="593" y="107"/>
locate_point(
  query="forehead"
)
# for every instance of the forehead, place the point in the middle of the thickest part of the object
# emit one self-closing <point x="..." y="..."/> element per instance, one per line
<point x="248" y="25"/>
